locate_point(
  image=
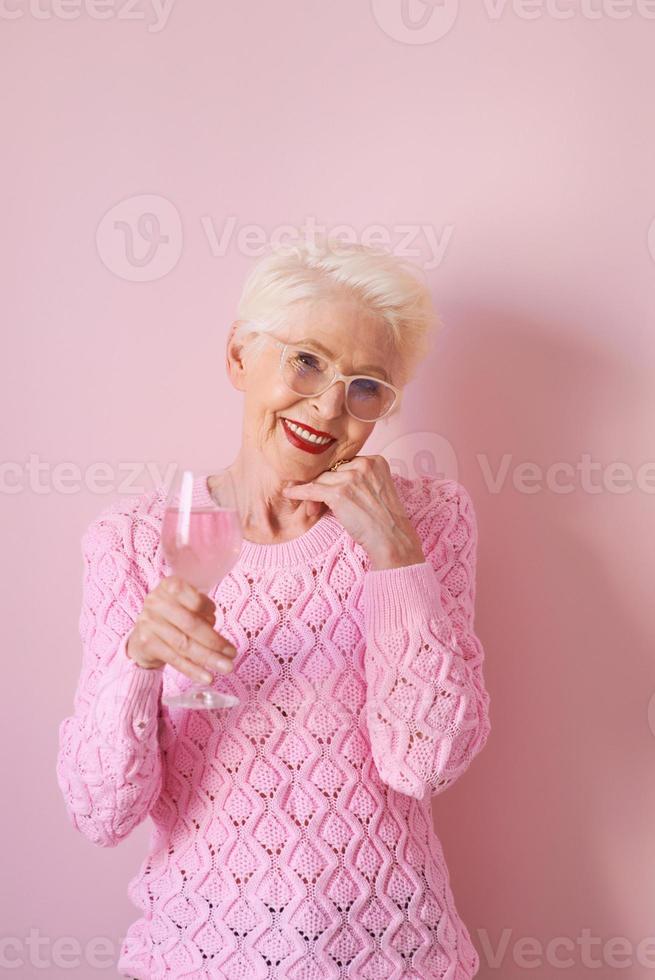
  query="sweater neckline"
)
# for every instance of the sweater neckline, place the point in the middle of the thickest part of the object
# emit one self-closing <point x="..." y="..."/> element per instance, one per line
<point x="308" y="545"/>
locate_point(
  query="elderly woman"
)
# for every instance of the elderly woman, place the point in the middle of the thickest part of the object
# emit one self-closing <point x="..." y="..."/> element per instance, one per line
<point x="292" y="834"/>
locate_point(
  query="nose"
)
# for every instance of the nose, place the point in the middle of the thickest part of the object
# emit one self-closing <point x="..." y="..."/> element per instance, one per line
<point x="332" y="403"/>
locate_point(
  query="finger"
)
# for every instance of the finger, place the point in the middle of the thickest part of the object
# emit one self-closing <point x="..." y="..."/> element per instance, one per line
<point x="159" y="603"/>
<point x="308" y="491"/>
<point x="183" y="648"/>
<point x="188" y="596"/>
<point x="209" y="615"/>
<point x="188" y="622"/>
<point x="160" y="649"/>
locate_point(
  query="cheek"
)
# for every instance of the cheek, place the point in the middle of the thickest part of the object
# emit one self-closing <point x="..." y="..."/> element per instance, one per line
<point x="360" y="430"/>
<point x="357" y="433"/>
<point x="268" y="396"/>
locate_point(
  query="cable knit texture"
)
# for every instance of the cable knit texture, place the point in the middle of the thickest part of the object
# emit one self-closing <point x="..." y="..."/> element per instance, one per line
<point x="292" y="835"/>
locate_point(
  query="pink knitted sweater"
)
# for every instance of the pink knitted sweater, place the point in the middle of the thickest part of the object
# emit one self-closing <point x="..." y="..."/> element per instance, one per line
<point x="291" y="835"/>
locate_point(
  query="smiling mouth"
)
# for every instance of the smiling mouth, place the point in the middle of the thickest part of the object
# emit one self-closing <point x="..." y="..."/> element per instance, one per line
<point x="308" y="429"/>
<point x="305" y="438"/>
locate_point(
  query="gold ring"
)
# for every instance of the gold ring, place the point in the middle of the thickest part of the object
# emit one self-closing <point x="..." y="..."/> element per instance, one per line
<point x="337" y="464"/>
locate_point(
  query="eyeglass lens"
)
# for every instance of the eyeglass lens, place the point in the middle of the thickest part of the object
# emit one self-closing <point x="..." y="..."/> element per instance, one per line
<point x="308" y="373"/>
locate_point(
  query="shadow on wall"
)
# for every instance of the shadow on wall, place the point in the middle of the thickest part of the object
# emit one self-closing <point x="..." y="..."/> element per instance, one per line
<point x="552" y="830"/>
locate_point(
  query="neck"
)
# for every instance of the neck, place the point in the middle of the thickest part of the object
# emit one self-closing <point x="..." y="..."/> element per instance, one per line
<point x="266" y="515"/>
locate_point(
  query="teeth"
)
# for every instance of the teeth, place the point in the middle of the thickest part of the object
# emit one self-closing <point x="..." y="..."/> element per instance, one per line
<point x="308" y="436"/>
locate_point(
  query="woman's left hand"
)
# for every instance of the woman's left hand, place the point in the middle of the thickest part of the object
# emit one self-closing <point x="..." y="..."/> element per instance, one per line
<point x="362" y="496"/>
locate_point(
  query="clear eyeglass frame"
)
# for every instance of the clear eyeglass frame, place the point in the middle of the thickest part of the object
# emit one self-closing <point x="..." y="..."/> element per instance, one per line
<point x="336" y="376"/>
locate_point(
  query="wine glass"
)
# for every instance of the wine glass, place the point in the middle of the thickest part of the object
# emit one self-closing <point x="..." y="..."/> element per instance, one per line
<point x="201" y="539"/>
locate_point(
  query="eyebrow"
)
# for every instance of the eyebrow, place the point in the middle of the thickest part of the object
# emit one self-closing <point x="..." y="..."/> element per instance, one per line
<point x="308" y="342"/>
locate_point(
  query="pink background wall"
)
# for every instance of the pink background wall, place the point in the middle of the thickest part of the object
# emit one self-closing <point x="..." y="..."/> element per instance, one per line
<point x="514" y="145"/>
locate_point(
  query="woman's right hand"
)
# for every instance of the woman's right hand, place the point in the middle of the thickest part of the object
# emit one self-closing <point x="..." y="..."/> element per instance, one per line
<point x="175" y="627"/>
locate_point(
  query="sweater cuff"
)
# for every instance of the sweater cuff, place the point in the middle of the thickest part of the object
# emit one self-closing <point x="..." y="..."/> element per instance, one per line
<point x="395" y="596"/>
<point x="132" y="691"/>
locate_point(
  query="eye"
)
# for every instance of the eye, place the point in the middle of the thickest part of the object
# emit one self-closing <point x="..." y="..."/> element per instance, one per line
<point x="304" y="361"/>
<point x="367" y="388"/>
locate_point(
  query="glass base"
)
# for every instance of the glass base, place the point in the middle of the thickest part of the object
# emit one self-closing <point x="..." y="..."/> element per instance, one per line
<point x="201" y="697"/>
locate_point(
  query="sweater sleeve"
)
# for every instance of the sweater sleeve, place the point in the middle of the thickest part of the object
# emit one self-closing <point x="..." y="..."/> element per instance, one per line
<point x="109" y="766"/>
<point x="427" y="708"/>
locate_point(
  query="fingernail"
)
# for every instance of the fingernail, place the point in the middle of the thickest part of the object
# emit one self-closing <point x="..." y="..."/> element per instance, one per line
<point x="205" y="677"/>
<point x="230" y="651"/>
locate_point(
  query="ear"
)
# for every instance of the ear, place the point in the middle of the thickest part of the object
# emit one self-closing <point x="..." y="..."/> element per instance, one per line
<point x="234" y="361"/>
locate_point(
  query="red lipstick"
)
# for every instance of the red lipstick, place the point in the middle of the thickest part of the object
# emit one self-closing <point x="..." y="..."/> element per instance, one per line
<point x="310" y="447"/>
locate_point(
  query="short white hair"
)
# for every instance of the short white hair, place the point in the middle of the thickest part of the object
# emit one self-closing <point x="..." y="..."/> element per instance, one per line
<point x="384" y="285"/>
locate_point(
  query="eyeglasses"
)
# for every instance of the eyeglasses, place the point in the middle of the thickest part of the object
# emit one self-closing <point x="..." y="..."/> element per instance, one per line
<point x="308" y="373"/>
